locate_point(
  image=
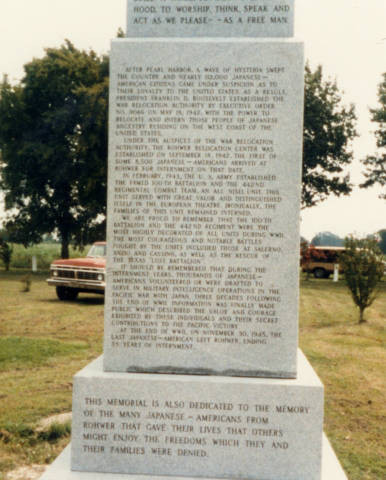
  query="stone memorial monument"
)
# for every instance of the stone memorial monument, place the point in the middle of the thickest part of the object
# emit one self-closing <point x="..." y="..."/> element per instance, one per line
<point x="201" y="375"/>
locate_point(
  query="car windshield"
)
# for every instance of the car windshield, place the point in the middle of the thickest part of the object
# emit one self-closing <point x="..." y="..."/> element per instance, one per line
<point x="97" y="251"/>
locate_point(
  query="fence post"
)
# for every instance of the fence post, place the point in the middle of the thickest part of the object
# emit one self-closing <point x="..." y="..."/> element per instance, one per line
<point x="336" y="272"/>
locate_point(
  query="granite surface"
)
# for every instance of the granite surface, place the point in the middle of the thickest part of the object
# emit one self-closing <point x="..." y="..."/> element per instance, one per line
<point x="210" y="18"/>
<point x="203" y="206"/>
<point x="222" y="427"/>
<point x="60" y="469"/>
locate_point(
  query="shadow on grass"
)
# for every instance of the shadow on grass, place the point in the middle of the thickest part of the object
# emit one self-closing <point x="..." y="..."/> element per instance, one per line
<point x="99" y="300"/>
<point x="322" y="284"/>
<point x="87" y="300"/>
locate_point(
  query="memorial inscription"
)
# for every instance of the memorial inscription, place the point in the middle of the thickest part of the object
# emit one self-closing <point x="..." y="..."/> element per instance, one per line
<point x="204" y="426"/>
<point x="197" y="223"/>
<point x="216" y="424"/>
<point x="210" y="18"/>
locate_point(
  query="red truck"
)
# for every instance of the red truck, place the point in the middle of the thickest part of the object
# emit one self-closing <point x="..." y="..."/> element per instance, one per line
<point x="75" y="275"/>
<point x="320" y="260"/>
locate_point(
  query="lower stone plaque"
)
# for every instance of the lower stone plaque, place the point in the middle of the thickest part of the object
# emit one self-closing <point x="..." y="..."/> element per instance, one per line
<point x="60" y="469"/>
<point x="199" y="426"/>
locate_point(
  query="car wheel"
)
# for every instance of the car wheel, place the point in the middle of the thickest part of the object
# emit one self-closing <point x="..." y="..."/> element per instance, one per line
<point x="65" y="293"/>
<point x="319" y="273"/>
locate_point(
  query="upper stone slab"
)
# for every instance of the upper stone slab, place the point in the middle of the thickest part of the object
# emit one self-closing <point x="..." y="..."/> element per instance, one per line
<point x="203" y="206"/>
<point x="210" y="18"/>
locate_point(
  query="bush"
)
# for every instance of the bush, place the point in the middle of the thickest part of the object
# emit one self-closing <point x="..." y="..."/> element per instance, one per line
<point x="363" y="268"/>
<point x="55" y="432"/>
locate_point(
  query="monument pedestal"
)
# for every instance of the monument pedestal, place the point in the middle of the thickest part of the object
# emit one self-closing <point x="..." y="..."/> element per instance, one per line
<point x="232" y="427"/>
<point x="61" y="469"/>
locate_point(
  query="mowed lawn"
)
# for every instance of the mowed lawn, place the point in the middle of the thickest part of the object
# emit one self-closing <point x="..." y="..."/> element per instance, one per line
<point x="44" y="342"/>
<point x="350" y="359"/>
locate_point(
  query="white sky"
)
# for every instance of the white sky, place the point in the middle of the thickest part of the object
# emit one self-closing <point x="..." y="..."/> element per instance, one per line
<point x="348" y="37"/>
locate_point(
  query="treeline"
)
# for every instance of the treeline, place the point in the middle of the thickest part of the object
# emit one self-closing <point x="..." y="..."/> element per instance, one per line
<point x="328" y="239"/>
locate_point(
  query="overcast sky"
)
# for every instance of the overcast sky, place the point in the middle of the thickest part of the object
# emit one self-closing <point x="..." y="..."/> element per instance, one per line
<point x="348" y="37"/>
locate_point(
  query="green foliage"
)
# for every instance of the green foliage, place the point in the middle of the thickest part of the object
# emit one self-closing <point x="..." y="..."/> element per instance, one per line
<point x="24" y="436"/>
<point x="5" y="253"/>
<point x="53" y="139"/>
<point x="55" y="432"/>
<point x="32" y="352"/>
<point x="48" y="238"/>
<point x="18" y="429"/>
<point x="4" y="235"/>
<point x="45" y="254"/>
<point x="363" y="269"/>
<point x="376" y="165"/>
<point x="382" y="240"/>
<point x="329" y="128"/>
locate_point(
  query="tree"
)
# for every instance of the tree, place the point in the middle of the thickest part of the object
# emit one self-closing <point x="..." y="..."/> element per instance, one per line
<point x="4" y="235"/>
<point x="363" y="269"/>
<point x="327" y="239"/>
<point x="53" y="141"/>
<point x="329" y="128"/>
<point x="376" y="165"/>
<point x="382" y="240"/>
<point x="5" y="253"/>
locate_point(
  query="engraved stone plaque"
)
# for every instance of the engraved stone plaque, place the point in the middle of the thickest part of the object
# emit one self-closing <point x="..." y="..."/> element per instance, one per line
<point x="60" y="469"/>
<point x="198" y="425"/>
<point x="210" y="18"/>
<point x="203" y="207"/>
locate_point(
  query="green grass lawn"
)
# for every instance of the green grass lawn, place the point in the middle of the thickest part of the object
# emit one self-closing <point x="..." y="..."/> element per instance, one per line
<point x="44" y="342"/>
<point x="350" y="360"/>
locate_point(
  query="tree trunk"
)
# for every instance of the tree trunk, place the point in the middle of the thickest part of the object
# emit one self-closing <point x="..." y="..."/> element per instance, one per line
<point x="361" y="315"/>
<point x="65" y="253"/>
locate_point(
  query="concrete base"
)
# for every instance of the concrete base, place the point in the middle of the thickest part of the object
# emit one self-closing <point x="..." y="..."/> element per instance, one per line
<point x="198" y="426"/>
<point x="61" y="470"/>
